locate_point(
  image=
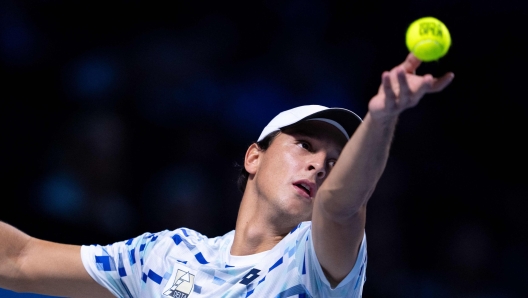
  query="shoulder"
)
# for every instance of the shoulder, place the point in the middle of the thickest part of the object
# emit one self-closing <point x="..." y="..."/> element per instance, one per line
<point x="190" y="236"/>
<point x="148" y="240"/>
<point x="302" y="230"/>
<point x="296" y="240"/>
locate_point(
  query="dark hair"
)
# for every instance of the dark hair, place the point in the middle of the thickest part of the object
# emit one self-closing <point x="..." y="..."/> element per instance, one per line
<point x="263" y="145"/>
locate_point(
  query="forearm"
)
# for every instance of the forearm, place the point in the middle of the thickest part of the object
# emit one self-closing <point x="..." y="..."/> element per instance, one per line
<point x="28" y="264"/>
<point x="339" y="213"/>
<point x="12" y="245"/>
<point x="359" y="168"/>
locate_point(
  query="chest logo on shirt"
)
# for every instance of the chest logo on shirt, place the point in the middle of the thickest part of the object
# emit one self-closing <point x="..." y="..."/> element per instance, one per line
<point x="182" y="286"/>
<point x="251" y="276"/>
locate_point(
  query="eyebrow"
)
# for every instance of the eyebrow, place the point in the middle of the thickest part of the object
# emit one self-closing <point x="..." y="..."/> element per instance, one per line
<point x="309" y="134"/>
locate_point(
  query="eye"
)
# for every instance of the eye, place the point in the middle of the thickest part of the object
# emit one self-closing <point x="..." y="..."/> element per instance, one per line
<point x="305" y="145"/>
<point x="332" y="163"/>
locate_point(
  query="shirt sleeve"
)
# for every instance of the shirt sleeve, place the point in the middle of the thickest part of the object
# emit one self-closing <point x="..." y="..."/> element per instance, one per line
<point x="317" y="284"/>
<point x="118" y="266"/>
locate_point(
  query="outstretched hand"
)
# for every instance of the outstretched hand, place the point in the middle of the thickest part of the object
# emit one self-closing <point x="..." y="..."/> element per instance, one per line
<point x="401" y="89"/>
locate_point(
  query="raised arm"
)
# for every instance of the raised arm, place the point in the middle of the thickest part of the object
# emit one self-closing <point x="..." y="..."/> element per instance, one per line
<point x="32" y="265"/>
<point x="339" y="214"/>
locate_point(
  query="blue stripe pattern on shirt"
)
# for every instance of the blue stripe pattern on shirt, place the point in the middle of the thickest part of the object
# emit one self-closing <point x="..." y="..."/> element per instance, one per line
<point x="276" y="264"/>
<point x="105" y="263"/>
<point x="155" y="277"/>
<point x="295" y="290"/>
<point x="200" y="258"/>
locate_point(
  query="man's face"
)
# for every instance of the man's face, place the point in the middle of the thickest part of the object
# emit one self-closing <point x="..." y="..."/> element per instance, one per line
<point x="295" y="165"/>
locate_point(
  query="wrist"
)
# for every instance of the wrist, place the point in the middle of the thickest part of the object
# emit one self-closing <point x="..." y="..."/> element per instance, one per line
<point x="381" y="121"/>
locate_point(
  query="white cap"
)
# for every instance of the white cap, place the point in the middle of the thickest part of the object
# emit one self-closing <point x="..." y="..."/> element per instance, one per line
<point x="345" y="120"/>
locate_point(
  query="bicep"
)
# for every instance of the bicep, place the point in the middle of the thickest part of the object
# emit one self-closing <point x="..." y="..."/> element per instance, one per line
<point x="337" y="242"/>
<point x="56" y="269"/>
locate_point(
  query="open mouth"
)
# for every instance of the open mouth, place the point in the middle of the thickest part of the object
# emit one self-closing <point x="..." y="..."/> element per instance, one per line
<point x="305" y="187"/>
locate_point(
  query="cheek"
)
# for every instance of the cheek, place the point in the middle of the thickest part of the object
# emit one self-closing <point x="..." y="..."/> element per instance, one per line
<point x="291" y="160"/>
<point x="291" y="163"/>
<point x="280" y="167"/>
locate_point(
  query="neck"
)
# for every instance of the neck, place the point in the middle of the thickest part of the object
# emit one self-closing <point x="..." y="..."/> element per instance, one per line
<point x="256" y="230"/>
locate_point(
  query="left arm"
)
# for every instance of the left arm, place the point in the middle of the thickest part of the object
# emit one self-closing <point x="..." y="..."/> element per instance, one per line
<point x="339" y="214"/>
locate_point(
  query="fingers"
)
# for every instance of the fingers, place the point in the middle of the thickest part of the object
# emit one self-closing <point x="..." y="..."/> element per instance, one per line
<point x="405" y="91"/>
<point x="411" y="63"/>
<point x="440" y="83"/>
<point x="426" y="85"/>
<point x="387" y="85"/>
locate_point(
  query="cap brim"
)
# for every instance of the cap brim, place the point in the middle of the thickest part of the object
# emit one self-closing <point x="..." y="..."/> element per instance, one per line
<point x="348" y="119"/>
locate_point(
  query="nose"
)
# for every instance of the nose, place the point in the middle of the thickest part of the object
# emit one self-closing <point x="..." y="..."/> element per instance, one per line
<point x="317" y="164"/>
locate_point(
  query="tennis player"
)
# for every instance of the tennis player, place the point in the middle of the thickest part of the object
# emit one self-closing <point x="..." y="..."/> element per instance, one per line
<point x="300" y="230"/>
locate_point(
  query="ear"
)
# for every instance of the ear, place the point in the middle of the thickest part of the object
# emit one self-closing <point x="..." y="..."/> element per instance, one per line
<point x="252" y="159"/>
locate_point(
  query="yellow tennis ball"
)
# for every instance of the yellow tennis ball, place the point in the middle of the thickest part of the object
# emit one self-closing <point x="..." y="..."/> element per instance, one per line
<point x="428" y="39"/>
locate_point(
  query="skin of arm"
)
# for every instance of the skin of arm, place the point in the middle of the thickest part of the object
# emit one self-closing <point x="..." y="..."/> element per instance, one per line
<point x="28" y="264"/>
<point x="339" y="214"/>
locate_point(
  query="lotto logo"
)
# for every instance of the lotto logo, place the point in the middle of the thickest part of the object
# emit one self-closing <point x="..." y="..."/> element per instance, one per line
<point x="251" y="276"/>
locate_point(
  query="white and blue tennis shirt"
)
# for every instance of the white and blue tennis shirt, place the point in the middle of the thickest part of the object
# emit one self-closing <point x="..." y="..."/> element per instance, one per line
<point x="185" y="264"/>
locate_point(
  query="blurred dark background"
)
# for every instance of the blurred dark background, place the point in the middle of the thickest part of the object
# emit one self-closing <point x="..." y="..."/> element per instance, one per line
<point x="124" y="117"/>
